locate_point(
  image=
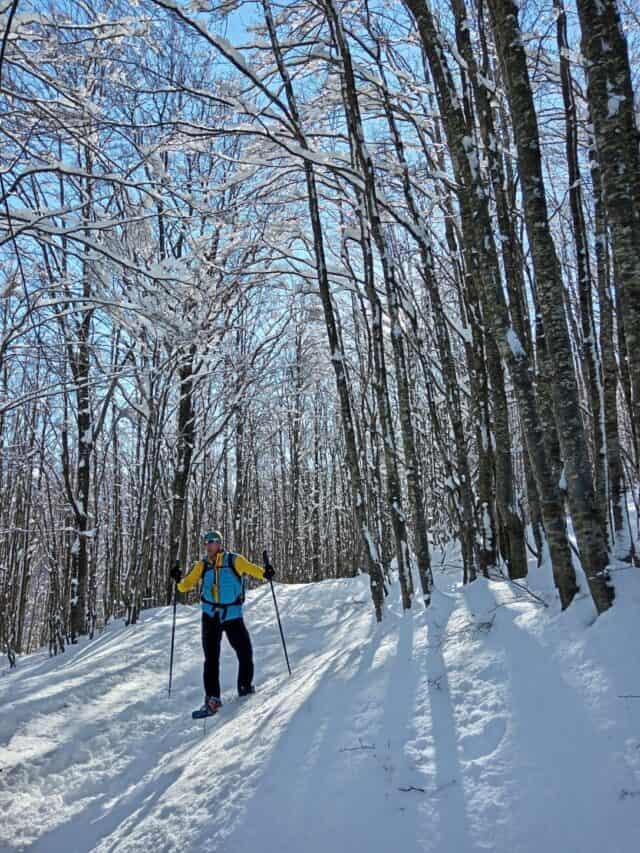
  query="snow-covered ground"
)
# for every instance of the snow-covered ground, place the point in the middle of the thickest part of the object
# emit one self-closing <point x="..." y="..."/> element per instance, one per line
<point x="487" y="723"/>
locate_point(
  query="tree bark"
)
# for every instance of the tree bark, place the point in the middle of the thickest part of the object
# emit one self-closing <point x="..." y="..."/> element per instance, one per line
<point x="581" y="493"/>
<point x="477" y="224"/>
<point x="376" y="579"/>
<point x="185" y="443"/>
<point x="611" y="103"/>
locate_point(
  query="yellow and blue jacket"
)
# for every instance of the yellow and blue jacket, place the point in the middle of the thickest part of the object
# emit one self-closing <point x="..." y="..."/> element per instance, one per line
<point x="222" y="584"/>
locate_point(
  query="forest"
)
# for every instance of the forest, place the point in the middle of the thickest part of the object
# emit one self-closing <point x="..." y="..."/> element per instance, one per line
<point x="349" y="280"/>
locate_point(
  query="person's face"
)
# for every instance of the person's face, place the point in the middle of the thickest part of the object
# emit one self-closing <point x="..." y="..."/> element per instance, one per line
<point x="213" y="548"/>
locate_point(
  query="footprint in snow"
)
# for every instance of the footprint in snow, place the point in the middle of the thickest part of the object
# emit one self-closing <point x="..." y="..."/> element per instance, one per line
<point x="485" y="742"/>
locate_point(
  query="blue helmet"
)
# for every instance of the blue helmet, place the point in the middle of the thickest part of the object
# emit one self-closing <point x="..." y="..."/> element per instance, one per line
<point x="212" y="536"/>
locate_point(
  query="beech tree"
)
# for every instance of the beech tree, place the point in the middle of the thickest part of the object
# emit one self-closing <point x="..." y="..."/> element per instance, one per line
<point x="351" y="286"/>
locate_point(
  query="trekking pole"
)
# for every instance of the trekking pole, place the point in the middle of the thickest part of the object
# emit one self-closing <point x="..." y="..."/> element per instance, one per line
<point x="267" y="565"/>
<point x="173" y="634"/>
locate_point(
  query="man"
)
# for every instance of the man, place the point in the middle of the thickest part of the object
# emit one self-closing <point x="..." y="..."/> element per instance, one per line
<point x="222" y="597"/>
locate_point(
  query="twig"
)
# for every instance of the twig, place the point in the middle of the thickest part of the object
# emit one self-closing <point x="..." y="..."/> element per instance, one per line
<point x="625" y="794"/>
<point x="520" y="586"/>
<point x="356" y="748"/>
<point x="533" y="551"/>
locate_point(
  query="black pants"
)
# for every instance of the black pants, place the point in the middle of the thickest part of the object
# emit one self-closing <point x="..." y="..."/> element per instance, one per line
<point x="238" y="636"/>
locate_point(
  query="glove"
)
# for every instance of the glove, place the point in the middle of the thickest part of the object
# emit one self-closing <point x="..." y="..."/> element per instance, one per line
<point x="269" y="572"/>
<point x="175" y="573"/>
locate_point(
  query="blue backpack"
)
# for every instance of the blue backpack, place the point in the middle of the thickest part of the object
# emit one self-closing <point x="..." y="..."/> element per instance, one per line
<point x="227" y="563"/>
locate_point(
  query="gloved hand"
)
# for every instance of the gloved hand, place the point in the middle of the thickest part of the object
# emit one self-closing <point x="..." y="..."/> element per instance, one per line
<point x="175" y="573"/>
<point x="269" y="572"/>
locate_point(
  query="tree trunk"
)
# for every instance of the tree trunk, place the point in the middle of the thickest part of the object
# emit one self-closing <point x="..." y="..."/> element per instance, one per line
<point x="593" y="378"/>
<point x="611" y="104"/>
<point x="589" y="531"/>
<point x="186" y="438"/>
<point x="622" y="540"/>
<point x="376" y="580"/>
<point x="477" y="225"/>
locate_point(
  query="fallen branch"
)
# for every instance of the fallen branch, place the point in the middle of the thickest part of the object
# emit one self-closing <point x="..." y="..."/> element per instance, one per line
<point x="356" y="748"/>
<point x="502" y="576"/>
<point x="625" y="794"/>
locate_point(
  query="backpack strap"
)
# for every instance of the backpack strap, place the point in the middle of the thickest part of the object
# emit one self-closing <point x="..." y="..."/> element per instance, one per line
<point x="228" y="562"/>
<point x="242" y="578"/>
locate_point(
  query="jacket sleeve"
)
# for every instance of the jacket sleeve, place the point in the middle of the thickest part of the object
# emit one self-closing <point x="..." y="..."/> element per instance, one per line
<point x="190" y="580"/>
<point x="244" y="567"/>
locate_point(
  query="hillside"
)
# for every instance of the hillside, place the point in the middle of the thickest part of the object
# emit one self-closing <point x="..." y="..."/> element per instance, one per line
<point x="488" y="723"/>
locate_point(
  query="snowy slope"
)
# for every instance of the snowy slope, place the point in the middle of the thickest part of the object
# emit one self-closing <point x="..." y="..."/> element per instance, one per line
<point x="488" y="723"/>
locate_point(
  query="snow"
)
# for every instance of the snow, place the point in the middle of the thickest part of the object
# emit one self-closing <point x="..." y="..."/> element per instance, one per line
<point x="614" y="100"/>
<point x="562" y="482"/>
<point x="485" y="723"/>
<point x="371" y="545"/>
<point x="515" y="344"/>
<point x="351" y="234"/>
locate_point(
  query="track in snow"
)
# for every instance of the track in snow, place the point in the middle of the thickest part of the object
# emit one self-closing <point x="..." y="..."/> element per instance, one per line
<point x="484" y="724"/>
